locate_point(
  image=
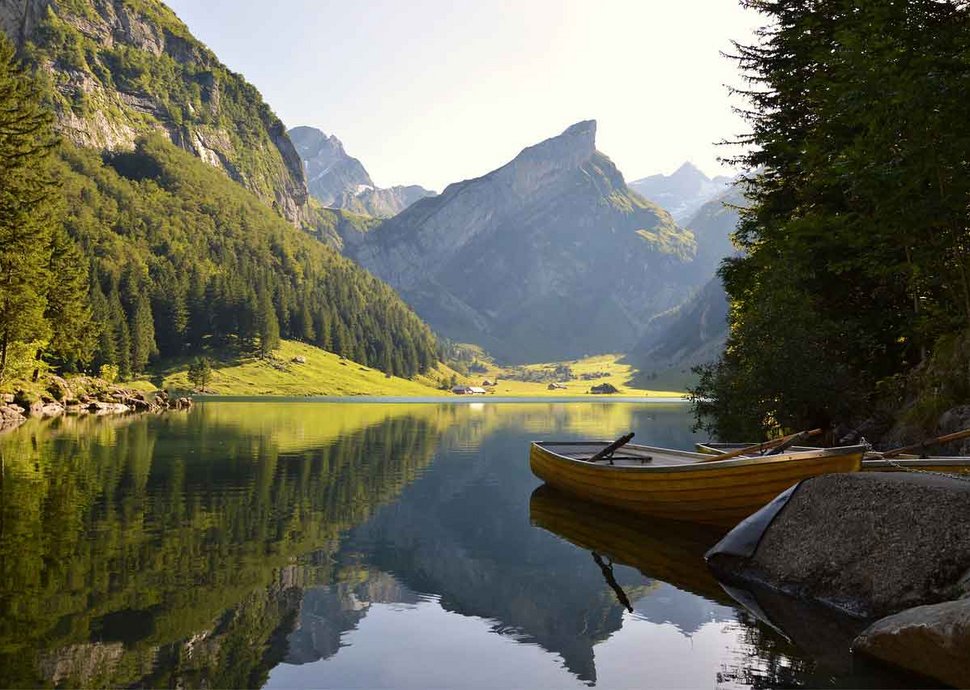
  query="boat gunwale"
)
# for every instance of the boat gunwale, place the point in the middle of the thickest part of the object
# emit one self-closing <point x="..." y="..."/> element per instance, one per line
<point x="705" y="466"/>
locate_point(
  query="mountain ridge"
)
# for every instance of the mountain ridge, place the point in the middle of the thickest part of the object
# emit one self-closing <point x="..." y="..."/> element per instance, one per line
<point x="338" y="180"/>
<point x="510" y="259"/>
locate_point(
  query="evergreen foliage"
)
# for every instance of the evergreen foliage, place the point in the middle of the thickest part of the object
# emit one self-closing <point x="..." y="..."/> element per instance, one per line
<point x="185" y="261"/>
<point x="856" y="243"/>
<point x="32" y="250"/>
<point x="199" y="372"/>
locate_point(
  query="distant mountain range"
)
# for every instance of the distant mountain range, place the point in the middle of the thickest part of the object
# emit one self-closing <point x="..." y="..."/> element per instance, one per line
<point x="683" y="192"/>
<point x="338" y="180"/>
<point x="549" y="257"/>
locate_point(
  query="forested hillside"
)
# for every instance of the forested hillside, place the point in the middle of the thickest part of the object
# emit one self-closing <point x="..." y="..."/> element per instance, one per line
<point x="115" y="258"/>
<point x="852" y="300"/>
<point x="184" y="260"/>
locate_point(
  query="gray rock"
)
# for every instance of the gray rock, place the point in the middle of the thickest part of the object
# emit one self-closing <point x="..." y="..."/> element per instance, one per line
<point x="11" y="413"/>
<point x="933" y="640"/>
<point x="868" y="543"/>
<point x="955" y="419"/>
<point x="52" y="409"/>
<point x="59" y="388"/>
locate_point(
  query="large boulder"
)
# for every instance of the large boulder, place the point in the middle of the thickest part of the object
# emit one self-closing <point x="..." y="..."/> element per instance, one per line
<point x="933" y="640"/>
<point x="868" y="543"/>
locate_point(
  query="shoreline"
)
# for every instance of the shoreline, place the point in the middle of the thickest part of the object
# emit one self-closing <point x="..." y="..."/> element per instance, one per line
<point x="453" y="400"/>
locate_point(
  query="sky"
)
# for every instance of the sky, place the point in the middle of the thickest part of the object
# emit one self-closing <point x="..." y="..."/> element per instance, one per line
<point x="435" y="91"/>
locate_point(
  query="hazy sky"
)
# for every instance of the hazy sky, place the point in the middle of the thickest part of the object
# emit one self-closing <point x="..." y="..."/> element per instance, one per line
<point x="434" y="91"/>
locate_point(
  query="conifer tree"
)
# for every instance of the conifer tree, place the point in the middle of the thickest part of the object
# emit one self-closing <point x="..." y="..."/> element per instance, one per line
<point x="268" y="326"/>
<point x="28" y="210"/>
<point x="68" y="311"/>
<point x="142" y="329"/>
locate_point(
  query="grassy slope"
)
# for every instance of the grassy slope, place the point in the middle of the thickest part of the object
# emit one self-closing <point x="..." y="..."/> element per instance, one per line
<point x="324" y="373"/>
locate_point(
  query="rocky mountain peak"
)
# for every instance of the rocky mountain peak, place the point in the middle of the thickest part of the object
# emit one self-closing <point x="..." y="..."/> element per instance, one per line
<point x="572" y="148"/>
<point x="338" y="180"/>
<point x="689" y="171"/>
<point x="682" y="192"/>
<point x="515" y="259"/>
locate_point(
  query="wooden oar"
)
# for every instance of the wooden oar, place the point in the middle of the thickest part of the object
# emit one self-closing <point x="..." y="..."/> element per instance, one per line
<point x="793" y="441"/>
<point x="758" y="447"/>
<point x="607" y="452"/>
<point x="956" y="436"/>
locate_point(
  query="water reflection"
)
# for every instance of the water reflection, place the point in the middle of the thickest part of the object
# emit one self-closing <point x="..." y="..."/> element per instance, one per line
<point x="367" y="545"/>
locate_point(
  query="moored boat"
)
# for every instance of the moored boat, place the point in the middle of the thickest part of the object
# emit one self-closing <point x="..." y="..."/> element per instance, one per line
<point x="681" y="485"/>
<point x="871" y="461"/>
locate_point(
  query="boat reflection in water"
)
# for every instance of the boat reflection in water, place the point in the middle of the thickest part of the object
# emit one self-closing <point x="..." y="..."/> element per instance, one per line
<point x="659" y="549"/>
<point x="772" y="625"/>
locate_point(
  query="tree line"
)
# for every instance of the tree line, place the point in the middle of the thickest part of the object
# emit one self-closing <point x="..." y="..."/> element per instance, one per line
<point x="855" y="271"/>
<point x="120" y="259"/>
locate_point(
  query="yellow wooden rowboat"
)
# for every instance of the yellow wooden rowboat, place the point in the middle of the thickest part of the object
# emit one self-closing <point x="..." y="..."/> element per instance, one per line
<point x="680" y="485"/>
<point x="871" y="461"/>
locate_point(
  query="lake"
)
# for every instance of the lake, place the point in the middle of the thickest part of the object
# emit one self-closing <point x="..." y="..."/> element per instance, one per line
<point x="342" y="544"/>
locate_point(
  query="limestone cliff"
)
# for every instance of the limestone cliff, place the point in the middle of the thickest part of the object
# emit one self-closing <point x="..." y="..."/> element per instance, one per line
<point x="338" y="180"/>
<point x="549" y="257"/>
<point x="122" y="68"/>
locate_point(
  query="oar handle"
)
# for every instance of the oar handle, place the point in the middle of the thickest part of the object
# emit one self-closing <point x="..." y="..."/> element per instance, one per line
<point x="956" y="436"/>
<point x="796" y="439"/>
<point x="758" y="447"/>
<point x="612" y="448"/>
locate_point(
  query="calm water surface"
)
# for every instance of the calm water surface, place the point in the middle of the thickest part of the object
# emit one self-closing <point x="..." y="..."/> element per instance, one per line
<point x="306" y="544"/>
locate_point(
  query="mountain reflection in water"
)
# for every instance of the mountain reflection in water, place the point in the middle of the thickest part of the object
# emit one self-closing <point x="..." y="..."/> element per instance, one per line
<point x="348" y="544"/>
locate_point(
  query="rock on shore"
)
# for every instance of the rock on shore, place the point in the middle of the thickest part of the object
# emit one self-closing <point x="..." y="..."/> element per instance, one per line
<point x="82" y="395"/>
<point x="869" y="543"/>
<point x="890" y="545"/>
<point x="933" y="640"/>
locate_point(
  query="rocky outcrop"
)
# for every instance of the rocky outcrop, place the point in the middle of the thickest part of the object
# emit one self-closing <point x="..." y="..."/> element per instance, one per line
<point x="933" y="640"/>
<point x="83" y="395"/>
<point x="683" y="192"/>
<point x="869" y="543"/>
<point x="120" y="70"/>
<point x="549" y="257"/>
<point x="337" y="180"/>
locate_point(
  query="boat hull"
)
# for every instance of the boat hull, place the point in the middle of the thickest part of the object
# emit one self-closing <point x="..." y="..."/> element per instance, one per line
<point x="720" y="492"/>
